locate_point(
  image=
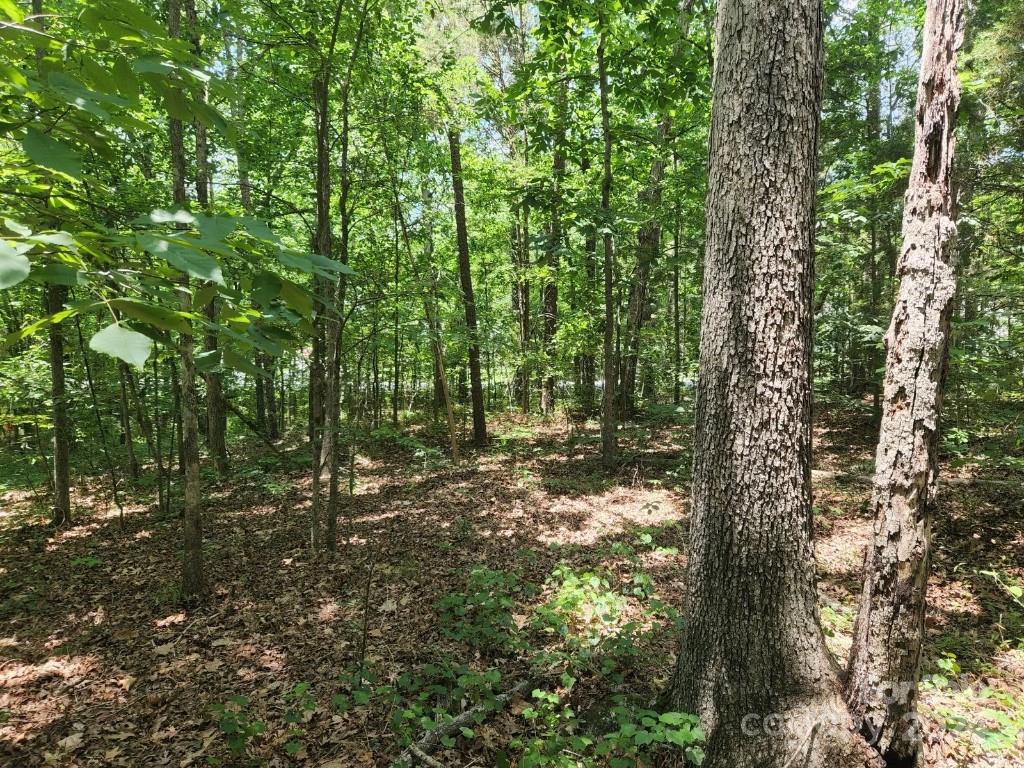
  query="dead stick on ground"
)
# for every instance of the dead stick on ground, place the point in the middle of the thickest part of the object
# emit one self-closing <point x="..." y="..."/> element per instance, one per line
<point x="420" y="749"/>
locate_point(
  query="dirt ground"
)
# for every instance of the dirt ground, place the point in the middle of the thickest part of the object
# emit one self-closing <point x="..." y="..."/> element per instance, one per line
<point x="99" y="666"/>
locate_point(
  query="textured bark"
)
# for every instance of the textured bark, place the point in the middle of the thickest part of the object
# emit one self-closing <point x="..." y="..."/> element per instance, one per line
<point x="468" y="300"/>
<point x="193" y="583"/>
<point x="886" y="654"/>
<point x="56" y="295"/>
<point x="753" y="663"/>
<point x="609" y="438"/>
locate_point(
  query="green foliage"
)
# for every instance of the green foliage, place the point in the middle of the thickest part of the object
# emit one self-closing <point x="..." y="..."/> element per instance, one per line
<point x="482" y="616"/>
<point x="236" y="724"/>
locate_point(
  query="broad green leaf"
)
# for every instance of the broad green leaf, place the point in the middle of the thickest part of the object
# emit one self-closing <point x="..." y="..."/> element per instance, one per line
<point x="296" y="297"/>
<point x="17" y="227"/>
<point x="258" y="229"/>
<point x="123" y="343"/>
<point x="14" y="266"/>
<point x="207" y="361"/>
<point x="196" y="264"/>
<point x="48" y="152"/>
<point x="38" y="325"/>
<point x="58" y="274"/>
<point x="152" y="314"/>
<point x="266" y="287"/>
<point x="11" y="10"/>
<point x="234" y="360"/>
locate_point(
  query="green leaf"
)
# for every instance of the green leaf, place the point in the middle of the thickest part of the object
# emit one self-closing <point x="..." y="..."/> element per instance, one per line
<point x="11" y="10"/>
<point x="152" y="314"/>
<point x="47" y="152"/>
<point x="207" y="361"/>
<point x="57" y="274"/>
<point x="14" y="266"/>
<point x="296" y="297"/>
<point x="234" y="360"/>
<point x="123" y="343"/>
<point x="38" y="325"/>
<point x="195" y="263"/>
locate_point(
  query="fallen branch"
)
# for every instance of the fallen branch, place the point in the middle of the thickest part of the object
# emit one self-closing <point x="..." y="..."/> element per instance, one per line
<point x="420" y="750"/>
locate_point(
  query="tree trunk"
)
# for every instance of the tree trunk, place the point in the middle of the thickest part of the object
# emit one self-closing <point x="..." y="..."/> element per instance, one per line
<point x="609" y="438"/>
<point x="549" y="294"/>
<point x="322" y="246"/>
<point x="126" y="421"/>
<point x="56" y="296"/>
<point x="586" y="360"/>
<point x="193" y="584"/>
<point x="466" y="281"/>
<point x="647" y="247"/>
<point x="886" y="654"/>
<point x="752" y="662"/>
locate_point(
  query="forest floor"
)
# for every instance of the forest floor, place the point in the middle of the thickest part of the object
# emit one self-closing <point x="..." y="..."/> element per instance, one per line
<point x="551" y="562"/>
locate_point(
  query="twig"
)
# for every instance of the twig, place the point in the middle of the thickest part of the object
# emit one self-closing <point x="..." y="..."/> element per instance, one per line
<point x="424" y="758"/>
<point x="430" y="740"/>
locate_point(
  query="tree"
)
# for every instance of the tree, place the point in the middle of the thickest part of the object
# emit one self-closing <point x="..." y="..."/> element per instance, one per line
<point x="752" y="647"/>
<point x="193" y="578"/>
<point x="609" y="437"/>
<point x="466" y="282"/>
<point x="885" y="660"/>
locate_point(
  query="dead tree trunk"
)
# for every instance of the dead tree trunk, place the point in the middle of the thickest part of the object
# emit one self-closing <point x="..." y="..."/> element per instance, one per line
<point x="886" y="654"/>
<point x="753" y="663"/>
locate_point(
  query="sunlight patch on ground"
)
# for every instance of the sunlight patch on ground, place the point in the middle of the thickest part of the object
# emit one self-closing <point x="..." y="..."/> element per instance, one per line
<point x="592" y="518"/>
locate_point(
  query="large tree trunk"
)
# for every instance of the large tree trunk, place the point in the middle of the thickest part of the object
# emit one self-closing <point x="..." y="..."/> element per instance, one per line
<point x="609" y="437"/>
<point x="753" y="663"/>
<point x="193" y="584"/>
<point x="56" y="295"/>
<point x="886" y="654"/>
<point x="468" y="300"/>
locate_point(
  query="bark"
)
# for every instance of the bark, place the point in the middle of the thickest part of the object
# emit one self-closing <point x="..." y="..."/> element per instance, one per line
<point x="54" y="299"/>
<point x="647" y="248"/>
<point x="609" y="438"/>
<point x="329" y="457"/>
<point x="468" y="300"/>
<point x="56" y="296"/>
<point x="270" y="404"/>
<point x="752" y="662"/>
<point x="549" y="294"/>
<point x="886" y="654"/>
<point x="521" y="302"/>
<point x="126" y="421"/>
<point x="216" y="415"/>
<point x="193" y="584"/>
<point x="322" y="246"/>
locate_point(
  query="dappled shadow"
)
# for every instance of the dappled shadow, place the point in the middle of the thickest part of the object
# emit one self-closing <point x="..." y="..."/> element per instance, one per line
<point x="103" y="602"/>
